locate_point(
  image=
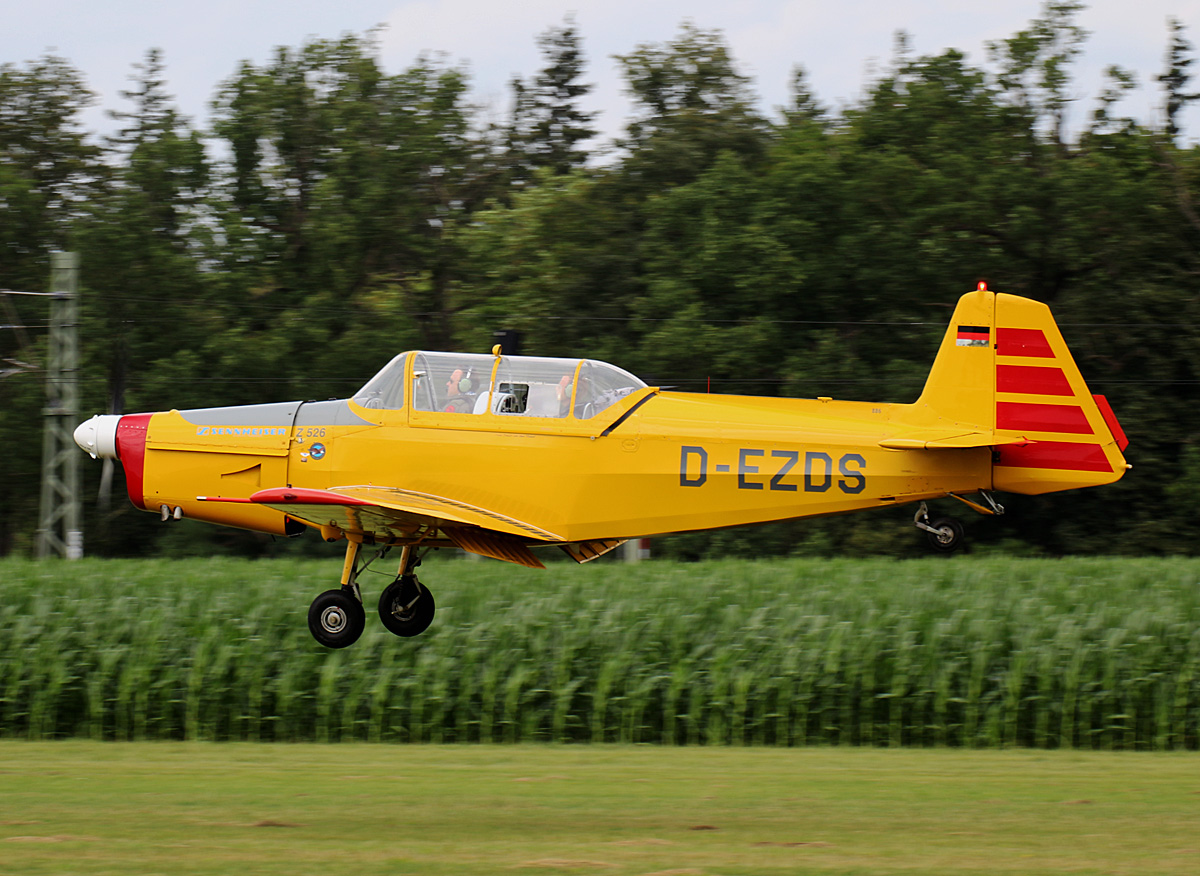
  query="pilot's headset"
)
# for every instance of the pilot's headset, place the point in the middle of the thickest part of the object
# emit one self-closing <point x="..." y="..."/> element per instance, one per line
<point x="464" y="383"/>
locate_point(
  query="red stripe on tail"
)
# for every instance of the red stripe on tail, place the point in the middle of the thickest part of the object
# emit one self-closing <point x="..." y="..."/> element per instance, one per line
<point x="1032" y="380"/>
<point x="1022" y="342"/>
<point x="1024" y="416"/>
<point x="1055" y="454"/>
<point x="1111" y="420"/>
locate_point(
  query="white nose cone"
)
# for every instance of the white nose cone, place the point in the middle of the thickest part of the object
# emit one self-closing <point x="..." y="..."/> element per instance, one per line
<point x="98" y="436"/>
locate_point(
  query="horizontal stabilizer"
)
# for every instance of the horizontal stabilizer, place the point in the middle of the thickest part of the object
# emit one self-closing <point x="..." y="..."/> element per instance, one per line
<point x="942" y="439"/>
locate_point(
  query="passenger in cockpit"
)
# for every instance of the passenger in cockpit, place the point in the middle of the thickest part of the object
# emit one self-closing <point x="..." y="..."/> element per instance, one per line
<point x="585" y="398"/>
<point x="562" y="393"/>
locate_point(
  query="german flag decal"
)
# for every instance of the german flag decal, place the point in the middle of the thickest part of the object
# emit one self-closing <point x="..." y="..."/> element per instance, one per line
<point x="972" y="336"/>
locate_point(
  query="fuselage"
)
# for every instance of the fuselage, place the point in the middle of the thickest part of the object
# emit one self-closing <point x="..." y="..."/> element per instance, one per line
<point x="575" y="450"/>
<point x="656" y="462"/>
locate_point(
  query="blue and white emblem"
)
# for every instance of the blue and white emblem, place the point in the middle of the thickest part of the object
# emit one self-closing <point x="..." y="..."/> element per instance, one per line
<point x="317" y="451"/>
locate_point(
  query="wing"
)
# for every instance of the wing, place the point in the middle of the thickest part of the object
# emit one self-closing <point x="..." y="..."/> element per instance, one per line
<point x="451" y="510"/>
<point x="386" y="513"/>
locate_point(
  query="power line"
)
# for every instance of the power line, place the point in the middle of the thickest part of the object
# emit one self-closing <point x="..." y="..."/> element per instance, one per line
<point x="251" y="305"/>
<point x="247" y="307"/>
<point x="39" y="324"/>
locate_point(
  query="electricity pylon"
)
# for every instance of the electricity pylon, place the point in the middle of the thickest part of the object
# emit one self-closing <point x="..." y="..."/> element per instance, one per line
<point x="60" y="530"/>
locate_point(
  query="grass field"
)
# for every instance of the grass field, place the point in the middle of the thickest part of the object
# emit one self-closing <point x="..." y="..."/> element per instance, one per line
<point x="192" y="809"/>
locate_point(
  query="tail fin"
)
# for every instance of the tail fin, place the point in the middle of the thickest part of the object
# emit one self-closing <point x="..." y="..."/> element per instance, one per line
<point x="1004" y="371"/>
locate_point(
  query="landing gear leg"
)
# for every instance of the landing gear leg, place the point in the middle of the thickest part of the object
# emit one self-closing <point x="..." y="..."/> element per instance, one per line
<point x="406" y="606"/>
<point x="336" y="618"/>
<point x="944" y="534"/>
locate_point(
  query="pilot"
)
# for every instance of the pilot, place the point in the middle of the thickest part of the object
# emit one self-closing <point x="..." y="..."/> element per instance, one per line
<point x="460" y="395"/>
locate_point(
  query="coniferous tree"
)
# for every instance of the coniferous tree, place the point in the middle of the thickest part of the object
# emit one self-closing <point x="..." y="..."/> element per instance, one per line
<point x="691" y="104"/>
<point x="548" y="127"/>
<point x="48" y="165"/>
<point x="1176" y="77"/>
<point x="49" y="169"/>
<point x="561" y="125"/>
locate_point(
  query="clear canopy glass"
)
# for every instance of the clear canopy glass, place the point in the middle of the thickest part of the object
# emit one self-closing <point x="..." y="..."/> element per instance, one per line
<point x="527" y="386"/>
<point x="451" y="382"/>
<point x="386" y="389"/>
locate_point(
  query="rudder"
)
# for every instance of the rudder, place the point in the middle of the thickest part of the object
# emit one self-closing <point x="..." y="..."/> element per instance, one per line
<point x="1074" y="439"/>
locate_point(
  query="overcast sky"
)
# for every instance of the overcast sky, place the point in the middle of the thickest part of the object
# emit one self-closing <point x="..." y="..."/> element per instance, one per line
<point x="842" y="44"/>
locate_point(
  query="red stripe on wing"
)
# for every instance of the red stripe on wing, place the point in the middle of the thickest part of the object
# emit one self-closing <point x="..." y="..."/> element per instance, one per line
<point x="300" y="496"/>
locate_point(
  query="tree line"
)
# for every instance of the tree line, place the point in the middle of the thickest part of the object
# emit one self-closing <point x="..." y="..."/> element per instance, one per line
<point x="334" y="213"/>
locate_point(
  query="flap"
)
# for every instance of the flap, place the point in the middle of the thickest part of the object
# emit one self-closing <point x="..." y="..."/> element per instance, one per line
<point x="492" y="544"/>
<point x="586" y="551"/>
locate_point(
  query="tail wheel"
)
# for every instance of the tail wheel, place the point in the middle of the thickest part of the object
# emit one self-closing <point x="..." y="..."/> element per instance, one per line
<point x="336" y="619"/>
<point x="406" y="606"/>
<point x="947" y="535"/>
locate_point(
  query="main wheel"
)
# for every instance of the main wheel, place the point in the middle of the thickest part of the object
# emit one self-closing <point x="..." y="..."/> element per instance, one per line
<point x="336" y="619"/>
<point x="948" y="537"/>
<point x="406" y="607"/>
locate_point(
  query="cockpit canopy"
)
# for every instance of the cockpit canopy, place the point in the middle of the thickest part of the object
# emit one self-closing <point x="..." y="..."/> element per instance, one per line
<point x="530" y="386"/>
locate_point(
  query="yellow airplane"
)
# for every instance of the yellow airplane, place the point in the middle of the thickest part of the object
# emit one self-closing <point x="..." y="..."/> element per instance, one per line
<point x="499" y="454"/>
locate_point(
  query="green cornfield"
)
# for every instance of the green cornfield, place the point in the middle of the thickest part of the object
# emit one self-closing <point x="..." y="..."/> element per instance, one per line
<point x="972" y="652"/>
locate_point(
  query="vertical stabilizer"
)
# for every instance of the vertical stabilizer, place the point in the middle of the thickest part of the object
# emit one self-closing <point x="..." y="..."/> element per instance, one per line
<point x="1004" y="370"/>
<point x="960" y="389"/>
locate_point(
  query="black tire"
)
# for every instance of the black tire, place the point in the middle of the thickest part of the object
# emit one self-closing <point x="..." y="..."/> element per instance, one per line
<point x="949" y="535"/>
<point x="336" y="619"/>
<point x="400" y="613"/>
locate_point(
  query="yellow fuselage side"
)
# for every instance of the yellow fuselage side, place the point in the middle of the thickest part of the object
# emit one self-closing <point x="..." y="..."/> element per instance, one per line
<point x="659" y="462"/>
